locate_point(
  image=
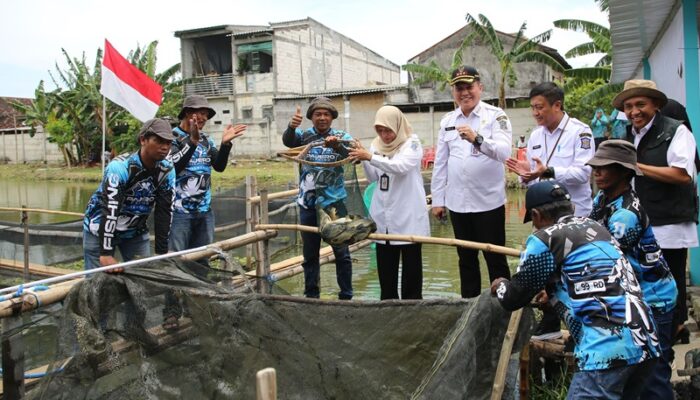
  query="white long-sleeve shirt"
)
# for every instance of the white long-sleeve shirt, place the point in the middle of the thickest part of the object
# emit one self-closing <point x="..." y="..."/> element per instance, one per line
<point x="469" y="178"/>
<point x="401" y="209"/>
<point x="568" y="158"/>
<point x="680" y="154"/>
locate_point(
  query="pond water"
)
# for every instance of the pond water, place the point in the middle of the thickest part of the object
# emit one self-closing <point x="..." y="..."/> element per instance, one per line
<point x="441" y="276"/>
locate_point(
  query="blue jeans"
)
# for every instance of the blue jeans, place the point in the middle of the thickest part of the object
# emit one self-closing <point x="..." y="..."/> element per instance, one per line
<point x="610" y="384"/>
<point x="188" y="231"/>
<point x="312" y="269"/>
<point x="136" y="247"/>
<point x="658" y="385"/>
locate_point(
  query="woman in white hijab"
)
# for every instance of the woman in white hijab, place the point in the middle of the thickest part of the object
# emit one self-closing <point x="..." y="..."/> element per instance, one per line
<point x="398" y="204"/>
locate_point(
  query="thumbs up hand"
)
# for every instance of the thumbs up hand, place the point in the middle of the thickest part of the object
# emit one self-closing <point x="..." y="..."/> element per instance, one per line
<point x="296" y="118"/>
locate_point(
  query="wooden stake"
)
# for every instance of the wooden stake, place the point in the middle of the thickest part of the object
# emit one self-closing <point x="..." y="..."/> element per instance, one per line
<point x="266" y="384"/>
<point x="502" y="369"/>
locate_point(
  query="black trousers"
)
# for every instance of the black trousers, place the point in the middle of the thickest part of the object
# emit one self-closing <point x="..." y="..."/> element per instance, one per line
<point x="484" y="227"/>
<point x="676" y="259"/>
<point x="411" y="274"/>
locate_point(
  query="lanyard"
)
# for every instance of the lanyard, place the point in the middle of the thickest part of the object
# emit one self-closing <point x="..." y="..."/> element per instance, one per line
<point x="555" y="143"/>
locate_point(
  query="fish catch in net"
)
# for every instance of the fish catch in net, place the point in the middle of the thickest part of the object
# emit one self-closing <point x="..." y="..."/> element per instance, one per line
<point x="330" y="183"/>
<point x="109" y="342"/>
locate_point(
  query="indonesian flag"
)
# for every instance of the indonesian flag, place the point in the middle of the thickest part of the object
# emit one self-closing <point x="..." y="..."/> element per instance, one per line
<point x="127" y="86"/>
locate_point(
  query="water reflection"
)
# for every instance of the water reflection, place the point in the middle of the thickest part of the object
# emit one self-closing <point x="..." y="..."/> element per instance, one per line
<point x="440" y="271"/>
<point x="441" y="276"/>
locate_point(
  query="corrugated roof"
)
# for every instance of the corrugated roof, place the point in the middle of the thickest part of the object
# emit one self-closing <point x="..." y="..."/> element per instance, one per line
<point x="343" y="92"/>
<point x="635" y="26"/>
<point x="8" y="115"/>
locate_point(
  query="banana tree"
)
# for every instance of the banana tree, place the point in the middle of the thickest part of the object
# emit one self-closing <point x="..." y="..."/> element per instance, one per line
<point x="522" y="50"/>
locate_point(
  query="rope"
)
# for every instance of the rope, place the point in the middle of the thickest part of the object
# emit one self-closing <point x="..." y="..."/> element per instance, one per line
<point x="300" y="157"/>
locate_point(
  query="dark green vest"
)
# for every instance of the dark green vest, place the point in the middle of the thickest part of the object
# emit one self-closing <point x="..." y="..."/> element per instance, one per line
<point x="665" y="203"/>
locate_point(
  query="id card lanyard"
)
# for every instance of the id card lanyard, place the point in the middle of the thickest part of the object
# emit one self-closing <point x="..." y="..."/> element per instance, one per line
<point x="546" y="150"/>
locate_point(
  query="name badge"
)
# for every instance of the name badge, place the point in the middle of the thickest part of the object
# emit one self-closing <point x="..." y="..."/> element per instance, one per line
<point x="596" y="286"/>
<point x="384" y="182"/>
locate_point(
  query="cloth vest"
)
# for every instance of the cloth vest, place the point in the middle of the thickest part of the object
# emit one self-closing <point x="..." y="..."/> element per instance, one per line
<point x="665" y="203"/>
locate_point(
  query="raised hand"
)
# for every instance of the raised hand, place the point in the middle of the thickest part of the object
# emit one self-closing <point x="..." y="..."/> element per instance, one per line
<point x="296" y="118"/>
<point x="233" y="131"/>
<point x="193" y="130"/>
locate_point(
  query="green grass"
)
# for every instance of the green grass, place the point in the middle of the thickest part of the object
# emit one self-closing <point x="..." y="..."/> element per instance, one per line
<point x="266" y="172"/>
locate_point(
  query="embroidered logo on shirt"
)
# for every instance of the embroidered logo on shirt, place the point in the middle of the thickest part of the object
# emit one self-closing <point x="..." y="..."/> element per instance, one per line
<point x="585" y="143"/>
<point x="503" y="122"/>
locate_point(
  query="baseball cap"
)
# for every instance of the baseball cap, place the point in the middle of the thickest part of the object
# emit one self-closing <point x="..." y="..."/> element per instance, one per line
<point x="158" y="127"/>
<point x="465" y="74"/>
<point x="541" y="193"/>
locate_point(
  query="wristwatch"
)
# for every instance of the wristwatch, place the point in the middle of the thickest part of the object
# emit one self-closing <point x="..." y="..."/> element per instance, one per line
<point x="478" y="140"/>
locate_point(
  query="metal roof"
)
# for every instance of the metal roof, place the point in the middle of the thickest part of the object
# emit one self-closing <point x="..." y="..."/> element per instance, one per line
<point x="635" y="28"/>
<point x="343" y="92"/>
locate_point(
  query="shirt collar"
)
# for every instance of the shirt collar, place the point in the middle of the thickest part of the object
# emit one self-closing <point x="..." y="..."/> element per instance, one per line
<point x="560" y="127"/>
<point x="645" y="128"/>
<point x="476" y="111"/>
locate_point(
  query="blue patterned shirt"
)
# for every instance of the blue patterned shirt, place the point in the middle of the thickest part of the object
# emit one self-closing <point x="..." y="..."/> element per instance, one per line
<point x="629" y="225"/>
<point x="592" y="287"/>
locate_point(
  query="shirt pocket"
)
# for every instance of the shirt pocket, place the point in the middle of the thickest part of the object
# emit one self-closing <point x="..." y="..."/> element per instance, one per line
<point x="563" y="156"/>
<point x="455" y="144"/>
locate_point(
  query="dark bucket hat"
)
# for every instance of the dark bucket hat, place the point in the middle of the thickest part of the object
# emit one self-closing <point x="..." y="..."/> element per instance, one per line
<point x="323" y="103"/>
<point x="541" y="193"/>
<point x="158" y="127"/>
<point x="616" y="151"/>
<point x="195" y="102"/>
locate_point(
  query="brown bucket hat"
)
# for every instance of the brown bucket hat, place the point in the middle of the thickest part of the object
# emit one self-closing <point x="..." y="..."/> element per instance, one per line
<point x="323" y="103"/>
<point x="195" y="102"/>
<point x="158" y="127"/>
<point x="639" y="87"/>
<point x="615" y="151"/>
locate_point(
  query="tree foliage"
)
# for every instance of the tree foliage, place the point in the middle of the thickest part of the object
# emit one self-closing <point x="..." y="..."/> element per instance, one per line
<point x="581" y="105"/>
<point x="72" y="114"/>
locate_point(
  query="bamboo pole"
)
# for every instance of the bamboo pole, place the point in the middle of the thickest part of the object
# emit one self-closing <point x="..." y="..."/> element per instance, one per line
<point x="492" y="248"/>
<point x="263" y="264"/>
<point x="59" y="291"/>
<point x="40" y="210"/>
<point x="502" y="368"/>
<point x="292" y="192"/>
<point x="25" y="225"/>
<point x="266" y="384"/>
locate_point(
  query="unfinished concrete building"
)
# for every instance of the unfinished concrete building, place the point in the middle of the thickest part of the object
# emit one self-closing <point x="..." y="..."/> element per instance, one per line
<point x="257" y="74"/>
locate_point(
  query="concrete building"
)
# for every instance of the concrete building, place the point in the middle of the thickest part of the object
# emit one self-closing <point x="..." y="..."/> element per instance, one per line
<point x="257" y="74"/>
<point x="427" y="103"/>
<point x="18" y="144"/>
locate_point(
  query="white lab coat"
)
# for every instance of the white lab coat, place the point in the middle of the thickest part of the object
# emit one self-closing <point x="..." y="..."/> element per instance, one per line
<point x="402" y="208"/>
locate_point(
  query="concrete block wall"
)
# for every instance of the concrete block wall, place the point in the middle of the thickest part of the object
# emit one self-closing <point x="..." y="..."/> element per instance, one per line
<point x="22" y="148"/>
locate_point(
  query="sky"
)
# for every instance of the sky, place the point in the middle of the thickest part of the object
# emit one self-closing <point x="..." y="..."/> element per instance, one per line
<point x="35" y="31"/>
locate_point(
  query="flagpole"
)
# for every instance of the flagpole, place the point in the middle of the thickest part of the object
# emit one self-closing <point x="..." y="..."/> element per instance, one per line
<point x="104" y="132"/>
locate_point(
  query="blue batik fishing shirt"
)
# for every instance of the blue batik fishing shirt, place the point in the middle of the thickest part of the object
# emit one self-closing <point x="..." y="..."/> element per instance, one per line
<point x="319" y="185"/>
<point x="626" y="220"/>
<point x="593" y="288"/>
<point x="193" y="165"/>
<point x="121" y="204"/>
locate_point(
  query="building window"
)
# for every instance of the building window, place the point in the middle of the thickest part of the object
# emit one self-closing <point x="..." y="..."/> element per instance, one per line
<point x="247" y="112"/>
<point x="255" y="57"/>
<point x="267" y="112"/>
<point x="226" y="111"/>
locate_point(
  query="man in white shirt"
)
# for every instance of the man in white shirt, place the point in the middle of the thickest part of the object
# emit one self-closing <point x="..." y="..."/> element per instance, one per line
<point x="667" y="190"/>
<point x="469" y="177"/>
<point x="558" y="148"/>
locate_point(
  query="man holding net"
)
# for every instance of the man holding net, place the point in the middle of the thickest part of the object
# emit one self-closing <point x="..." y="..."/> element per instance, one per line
<point x="321" y="186"/>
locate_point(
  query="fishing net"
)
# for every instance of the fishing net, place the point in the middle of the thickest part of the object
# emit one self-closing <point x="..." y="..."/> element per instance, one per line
<point x="329" y="180"/>
<point x="110" y="343"/>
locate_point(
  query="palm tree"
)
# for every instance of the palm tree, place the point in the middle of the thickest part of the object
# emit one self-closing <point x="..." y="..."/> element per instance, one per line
<point x="600" y="43"/>
<point x="522" y="50"/>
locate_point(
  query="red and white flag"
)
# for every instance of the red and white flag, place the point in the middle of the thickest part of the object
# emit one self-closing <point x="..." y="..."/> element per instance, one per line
<point x="128" y="86"/>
